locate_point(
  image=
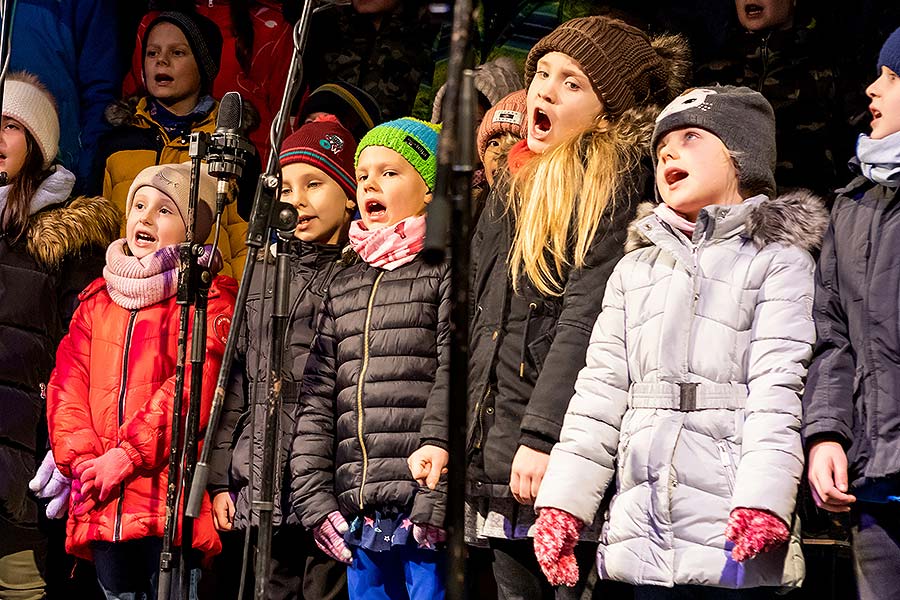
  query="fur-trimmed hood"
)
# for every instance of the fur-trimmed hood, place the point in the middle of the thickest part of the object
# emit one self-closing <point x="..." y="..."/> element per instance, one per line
<point x="56" y="233"/>
<point x="797" y="218"/>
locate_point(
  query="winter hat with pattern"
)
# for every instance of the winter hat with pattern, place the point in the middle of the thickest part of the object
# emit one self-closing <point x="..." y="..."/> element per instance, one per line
<point x="741" y="118"/>
<point x="493" y="80"/>
<point x="174" y="180"/>
<point x="204" y="38"/>
<point x="509" y="115"/>
<point x="26" y="100"/>
<point x="619" y="59"/>
<point x="326" y="145"/>
<point x="354" y="107"/>
<point x="890" y="53"/>
<point x="415" y="140"/>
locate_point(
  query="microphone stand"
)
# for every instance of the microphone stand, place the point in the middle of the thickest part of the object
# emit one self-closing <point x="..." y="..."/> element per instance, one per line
<point x="193" y="288"/>
<point x="447" y="235"/>
<point x="264" y="205"/>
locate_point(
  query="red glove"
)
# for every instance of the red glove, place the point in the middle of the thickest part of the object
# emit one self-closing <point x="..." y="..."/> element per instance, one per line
<point x="329" y="537"/>
<point x="555" y="535"/>
<point x="754" y="531"/>
<point x="105" y="472"/>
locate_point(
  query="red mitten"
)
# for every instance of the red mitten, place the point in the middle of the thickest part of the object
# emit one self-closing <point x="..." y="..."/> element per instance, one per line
<point x="329" y="537"/>
<point x="105" y="472"/>
<point x="754" y="531"/>
<point x="555" y="535"/>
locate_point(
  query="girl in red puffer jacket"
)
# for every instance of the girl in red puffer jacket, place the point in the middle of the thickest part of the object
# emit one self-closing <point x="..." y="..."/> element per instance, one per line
<point x="109" y="402"/>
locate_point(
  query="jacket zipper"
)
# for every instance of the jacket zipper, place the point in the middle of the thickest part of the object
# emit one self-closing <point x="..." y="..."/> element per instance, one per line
<point x="359" y="387"/>
<point x="531" y="308"/>
<point x="728" y="464"/>
<point x="479" y="406"/>
<point x="117" y="532"/>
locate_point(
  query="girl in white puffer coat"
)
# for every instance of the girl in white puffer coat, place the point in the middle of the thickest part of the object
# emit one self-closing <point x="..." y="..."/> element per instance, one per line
<point x="690" y="395"/>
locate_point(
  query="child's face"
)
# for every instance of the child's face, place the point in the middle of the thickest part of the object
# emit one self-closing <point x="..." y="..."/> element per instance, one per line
<point x="323" y="207"/>
<point x="694" y="170"/>
<point x="885" y="105"/>
<point x="759" y="15"/>
<point x="560" y="100"/>
<point x="492" y="153"/>
<point x="153" y="222"/>
<point x="170" y="69"/>
<point x="13" y="147"/>
<point x="389" y="188"/>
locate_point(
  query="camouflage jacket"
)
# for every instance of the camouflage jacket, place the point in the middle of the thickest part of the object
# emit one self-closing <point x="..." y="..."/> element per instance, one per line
<point x="387" y="59"/>
<point x="796" y="72"/>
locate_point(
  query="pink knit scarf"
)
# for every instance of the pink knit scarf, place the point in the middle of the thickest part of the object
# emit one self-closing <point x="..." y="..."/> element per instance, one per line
<point x="134" y="284"/>
<point x="389" y="247"/>
<point x="664" y="212"/>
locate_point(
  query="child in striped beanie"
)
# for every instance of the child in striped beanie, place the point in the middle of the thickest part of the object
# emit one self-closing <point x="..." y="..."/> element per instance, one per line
<point x="317" y="179"/>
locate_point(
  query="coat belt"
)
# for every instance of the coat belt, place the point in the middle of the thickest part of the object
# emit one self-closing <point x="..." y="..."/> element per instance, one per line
<point x="686" y="396"/>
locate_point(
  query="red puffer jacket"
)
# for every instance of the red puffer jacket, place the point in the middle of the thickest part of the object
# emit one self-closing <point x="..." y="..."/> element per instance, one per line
<point x="113" y="385"/>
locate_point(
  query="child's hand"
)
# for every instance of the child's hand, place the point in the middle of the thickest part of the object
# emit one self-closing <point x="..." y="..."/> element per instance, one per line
<point x="754" y="531"/>
<point x="106" y="472"/>
<point x="50" y="483"/>
<point x="528" y="469"/>
<point x="223" y="511"/>
<point x="555" y="535"/>
<point x="427" y="464"/>
<point x="827" y="474"/>
<point x="329" y="537"/>
<point x="81" y="503"/>
<point x="428" y="536"/>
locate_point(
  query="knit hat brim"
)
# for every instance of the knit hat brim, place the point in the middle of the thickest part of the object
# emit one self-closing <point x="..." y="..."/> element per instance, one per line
<point x="326" y="145"/>
<point x="29" y="103"/>
<point x="174" y="180"/>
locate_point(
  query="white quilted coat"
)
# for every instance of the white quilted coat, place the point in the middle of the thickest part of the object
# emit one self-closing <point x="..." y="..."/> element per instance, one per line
<point x="729" y="310"/>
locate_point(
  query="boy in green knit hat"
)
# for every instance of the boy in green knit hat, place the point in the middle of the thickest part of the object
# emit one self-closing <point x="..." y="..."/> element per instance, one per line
<point x="374" y="392"/>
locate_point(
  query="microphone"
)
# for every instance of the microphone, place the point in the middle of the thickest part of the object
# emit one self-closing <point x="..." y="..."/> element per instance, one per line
<point x="228" y="148"/>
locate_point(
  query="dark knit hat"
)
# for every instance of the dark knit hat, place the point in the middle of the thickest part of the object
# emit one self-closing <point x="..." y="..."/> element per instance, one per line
<point x="354" y="107"/>
<point x="509" y="115"/>
<point x="741" y="118"/>
<point x="413" y="139"/>
<point x="890" y="53"/>
<point x="623" y="66"/>
<point x="326" y="145"/>
<point x="203" y="37"/>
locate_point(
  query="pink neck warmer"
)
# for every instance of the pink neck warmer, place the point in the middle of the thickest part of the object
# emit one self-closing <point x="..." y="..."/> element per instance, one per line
<point x="389" y="247"/>
<point x="134" y="284"/>
<point x="674" y="219"/>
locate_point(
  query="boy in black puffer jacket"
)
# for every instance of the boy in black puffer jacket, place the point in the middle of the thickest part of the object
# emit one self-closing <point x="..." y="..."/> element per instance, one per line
<point x="376" y="379"/>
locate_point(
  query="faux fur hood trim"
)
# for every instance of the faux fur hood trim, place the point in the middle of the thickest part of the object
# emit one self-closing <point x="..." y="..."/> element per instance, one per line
<point x="56" y="233"/>
<point x="124" y="112"/>
<point x="798" y="218"/>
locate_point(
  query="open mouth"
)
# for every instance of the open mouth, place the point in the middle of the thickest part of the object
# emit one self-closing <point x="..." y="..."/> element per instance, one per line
<point x="163" y="78"/>
<point x="753" y="10"/>
<point x="144" y="237"/>
<point x="304" y="219"/>
<point x="375" y="209"/>
<point x="673" y="176"/>
<point x="876" y="114"/>
<point x="541" y="122"/>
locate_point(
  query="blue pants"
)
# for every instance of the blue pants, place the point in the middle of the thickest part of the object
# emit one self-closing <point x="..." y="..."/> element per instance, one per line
<point x="402" y="573"/>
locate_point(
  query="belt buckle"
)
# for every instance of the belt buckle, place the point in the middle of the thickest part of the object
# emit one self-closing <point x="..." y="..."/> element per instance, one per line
<point x="687" y="396"/>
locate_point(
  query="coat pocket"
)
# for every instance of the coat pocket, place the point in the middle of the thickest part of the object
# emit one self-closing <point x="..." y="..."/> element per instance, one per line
<point x="728" y="464"/>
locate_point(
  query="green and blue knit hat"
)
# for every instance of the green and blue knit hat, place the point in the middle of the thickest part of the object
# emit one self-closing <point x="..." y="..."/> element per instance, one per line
<point x="414" y="140"/>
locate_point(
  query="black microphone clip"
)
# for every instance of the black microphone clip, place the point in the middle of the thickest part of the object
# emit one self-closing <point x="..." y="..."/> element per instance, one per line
<point x="228" y="148"/>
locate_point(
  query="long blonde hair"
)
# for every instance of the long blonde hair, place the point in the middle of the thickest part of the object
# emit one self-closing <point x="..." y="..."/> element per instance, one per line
<point x="560" y="198"/>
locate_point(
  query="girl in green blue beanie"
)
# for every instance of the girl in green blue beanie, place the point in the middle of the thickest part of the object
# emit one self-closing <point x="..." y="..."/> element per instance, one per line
<point x="375" y="385"/>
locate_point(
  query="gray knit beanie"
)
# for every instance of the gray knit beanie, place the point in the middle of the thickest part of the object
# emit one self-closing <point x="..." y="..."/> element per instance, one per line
<point x="494" y="80"/>
<point x="741" y="118"/>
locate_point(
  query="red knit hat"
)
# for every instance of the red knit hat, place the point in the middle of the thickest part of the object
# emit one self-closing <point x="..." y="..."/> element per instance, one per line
<point x="509" y="115"/>
<point x="326" y="145"/>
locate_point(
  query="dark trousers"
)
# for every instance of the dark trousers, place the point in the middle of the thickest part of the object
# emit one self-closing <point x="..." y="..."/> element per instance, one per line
<point x="130" y="570"/>
<point x="876" y="550"/>
<point x="519" y="576"/>
<point x="700" y="592"/>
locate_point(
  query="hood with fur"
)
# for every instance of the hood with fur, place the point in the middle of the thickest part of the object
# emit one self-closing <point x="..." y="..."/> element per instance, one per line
<point x="797" y="218"/>
<point x="57" y="233"/>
